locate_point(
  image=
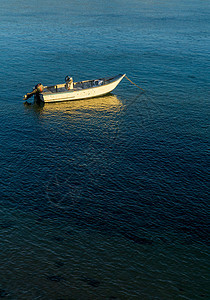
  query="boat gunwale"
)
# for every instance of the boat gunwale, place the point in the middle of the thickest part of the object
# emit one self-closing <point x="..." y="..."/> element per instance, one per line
<point x="111" y="79"/>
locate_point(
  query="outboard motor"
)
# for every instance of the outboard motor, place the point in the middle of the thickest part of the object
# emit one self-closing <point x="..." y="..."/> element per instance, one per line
<point x="39" y="88"/>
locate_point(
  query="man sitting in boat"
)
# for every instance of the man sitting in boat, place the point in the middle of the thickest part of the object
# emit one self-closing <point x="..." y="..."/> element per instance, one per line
<point x="69" y="83"/>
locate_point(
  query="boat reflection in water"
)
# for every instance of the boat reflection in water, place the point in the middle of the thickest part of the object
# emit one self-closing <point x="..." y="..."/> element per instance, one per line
<point x="77" y="128"/>
<point x="109" y="104"/>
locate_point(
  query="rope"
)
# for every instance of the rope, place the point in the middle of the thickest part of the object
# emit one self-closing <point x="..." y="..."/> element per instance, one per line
<point x="134" y="83"/>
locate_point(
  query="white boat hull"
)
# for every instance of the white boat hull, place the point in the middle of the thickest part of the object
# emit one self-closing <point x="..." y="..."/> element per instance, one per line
<point x="77" y="94"/>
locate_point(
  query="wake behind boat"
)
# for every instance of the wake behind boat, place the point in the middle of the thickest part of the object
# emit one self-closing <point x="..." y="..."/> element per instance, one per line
<point x="70" y="90"/>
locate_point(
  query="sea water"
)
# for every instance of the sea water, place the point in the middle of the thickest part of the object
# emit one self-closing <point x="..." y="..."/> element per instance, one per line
<point x="105" y="198"/>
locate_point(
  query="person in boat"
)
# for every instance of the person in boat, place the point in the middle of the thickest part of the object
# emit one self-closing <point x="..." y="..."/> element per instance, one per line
<point x="69" y="83"/>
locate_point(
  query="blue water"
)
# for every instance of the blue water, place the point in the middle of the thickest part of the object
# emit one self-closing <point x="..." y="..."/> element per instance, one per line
<point x="105" y="198"/>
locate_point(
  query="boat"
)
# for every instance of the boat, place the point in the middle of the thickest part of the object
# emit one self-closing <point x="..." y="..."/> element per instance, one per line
<point x="70" y="90"/>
